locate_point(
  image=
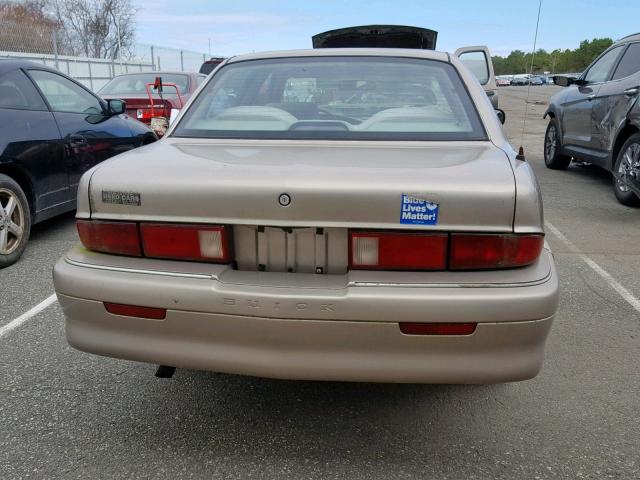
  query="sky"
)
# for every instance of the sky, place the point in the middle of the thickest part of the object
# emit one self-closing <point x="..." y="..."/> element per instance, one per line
<point x="242" y="26"/>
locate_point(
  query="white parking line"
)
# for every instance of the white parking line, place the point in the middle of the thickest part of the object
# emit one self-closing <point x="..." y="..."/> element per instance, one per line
<point x="606" y="276"/>
<point x="13" y="324"/>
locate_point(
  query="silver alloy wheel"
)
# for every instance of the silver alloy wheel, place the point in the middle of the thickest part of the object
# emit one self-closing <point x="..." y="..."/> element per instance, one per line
<point x="551" y="142"/>
<point x="629" y="165"/>
<point x="11" y="221"/>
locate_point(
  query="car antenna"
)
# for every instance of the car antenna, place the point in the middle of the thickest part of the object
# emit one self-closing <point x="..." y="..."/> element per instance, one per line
<point x="520" y="155"/>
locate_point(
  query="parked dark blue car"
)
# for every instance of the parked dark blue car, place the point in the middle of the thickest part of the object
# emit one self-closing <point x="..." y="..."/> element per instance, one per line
<point x="52" y="130"/>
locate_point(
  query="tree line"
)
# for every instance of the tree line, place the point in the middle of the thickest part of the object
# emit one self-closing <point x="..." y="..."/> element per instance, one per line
<point x="557" y="61"/>
<point x="90" y="28"/>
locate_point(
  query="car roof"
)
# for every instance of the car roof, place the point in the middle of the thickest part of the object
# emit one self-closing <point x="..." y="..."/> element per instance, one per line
<point x="345" y="52"/>
<point x="9" y="64"/>
<point x="629" y="38"/>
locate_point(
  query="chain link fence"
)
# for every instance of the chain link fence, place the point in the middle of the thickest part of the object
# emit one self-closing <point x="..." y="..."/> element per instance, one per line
<point x="168" y="59"/>
<point x="42" y="44"/>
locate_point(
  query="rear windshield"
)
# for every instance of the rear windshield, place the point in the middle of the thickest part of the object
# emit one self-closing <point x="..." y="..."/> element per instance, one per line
<point x="136" y="84"/>
<point x="353" y="98"/>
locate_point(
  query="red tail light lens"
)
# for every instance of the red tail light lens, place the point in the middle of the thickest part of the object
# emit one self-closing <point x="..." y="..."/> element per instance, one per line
<point x="185" y="242"/>
<point x="438" y="328"/>
<point x="120" y="238"/>
<point x="480" y="251"/>
<point x="136" y="311"/>
<point x="149" y="113"/>
<point x="397" y="251"/>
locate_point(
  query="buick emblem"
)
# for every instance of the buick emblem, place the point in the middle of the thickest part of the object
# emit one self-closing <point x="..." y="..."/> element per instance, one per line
<point x="284" y="199"/>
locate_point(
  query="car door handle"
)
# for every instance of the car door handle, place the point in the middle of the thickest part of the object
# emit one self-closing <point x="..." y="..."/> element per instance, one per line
<point x="78" y="140"/>
<point x="632" y="92"/>
<point x="591" y="97"/>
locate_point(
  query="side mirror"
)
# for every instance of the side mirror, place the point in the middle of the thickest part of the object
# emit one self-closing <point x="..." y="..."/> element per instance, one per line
<point x="561" y="81"/>
<point x="501" y="115"/>
<point x="116" y="107"/>
<point x="566" y="81"/>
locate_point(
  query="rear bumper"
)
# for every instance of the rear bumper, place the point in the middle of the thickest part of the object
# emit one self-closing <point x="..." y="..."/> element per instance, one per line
<point x="345" y="333"/>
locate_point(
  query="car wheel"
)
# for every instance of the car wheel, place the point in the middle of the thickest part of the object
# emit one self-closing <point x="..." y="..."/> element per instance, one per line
<point x="552" y="157"/>
<point x="15" y="221"/>
<point x="628" y="163"/>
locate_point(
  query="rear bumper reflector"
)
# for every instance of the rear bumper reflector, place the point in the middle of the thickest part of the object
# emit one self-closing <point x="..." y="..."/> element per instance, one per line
<point x="136" y="311"/>
<point x="438" y="328"/>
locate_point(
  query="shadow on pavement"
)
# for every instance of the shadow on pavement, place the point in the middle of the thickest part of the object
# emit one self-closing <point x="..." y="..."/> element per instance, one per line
<point x="52" y="225"/>
<point x="591" y="172"/>
<point x="299" y="421"/>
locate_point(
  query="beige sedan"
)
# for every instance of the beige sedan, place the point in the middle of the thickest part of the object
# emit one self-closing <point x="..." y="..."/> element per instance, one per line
<point x="332" y="214"/>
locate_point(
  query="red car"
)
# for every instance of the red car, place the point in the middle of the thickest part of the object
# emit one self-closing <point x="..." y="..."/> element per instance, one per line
<point x="135" y="90"/>
<point x="210" y="65"/>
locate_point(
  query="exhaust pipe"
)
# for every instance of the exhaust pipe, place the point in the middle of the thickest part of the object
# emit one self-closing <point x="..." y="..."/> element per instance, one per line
<point x="165" y="371"/>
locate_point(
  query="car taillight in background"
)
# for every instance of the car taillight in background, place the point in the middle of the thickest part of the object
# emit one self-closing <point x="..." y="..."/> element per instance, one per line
<point x="149" y="113"/>
<point x="209" y="243"/>
<point x="427" y="251"/>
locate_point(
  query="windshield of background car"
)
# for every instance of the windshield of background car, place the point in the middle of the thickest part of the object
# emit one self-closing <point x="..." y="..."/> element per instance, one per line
<point x="136" y="84"/>
<point x="351" y="98"/>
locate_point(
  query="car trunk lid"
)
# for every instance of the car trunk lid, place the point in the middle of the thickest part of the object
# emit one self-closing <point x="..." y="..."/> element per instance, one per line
<point x="377" y="36"/>
<point x="344" y="184"/>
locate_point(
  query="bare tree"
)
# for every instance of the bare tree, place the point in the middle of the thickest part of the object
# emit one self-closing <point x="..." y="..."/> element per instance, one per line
<point x="95" y="28"/>
<point x="25" y="27"/>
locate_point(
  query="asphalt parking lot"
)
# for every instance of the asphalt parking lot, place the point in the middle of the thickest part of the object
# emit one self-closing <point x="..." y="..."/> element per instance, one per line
<point x="66" y="414"/>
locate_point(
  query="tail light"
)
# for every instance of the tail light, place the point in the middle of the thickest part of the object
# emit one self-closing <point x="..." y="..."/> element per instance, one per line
<point x="368" y="250"/>
<point x="397" y="251"/>
<point x="174" y="241"/>
<point x="185" y="242"/>
<point x="120" y="238"/>
<point x="149" y="113"/>
<point x="427" y="251"/>
<point x="481" y="251"/>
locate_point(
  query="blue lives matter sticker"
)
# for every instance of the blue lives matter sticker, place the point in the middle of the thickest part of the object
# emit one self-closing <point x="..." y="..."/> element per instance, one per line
<point x="416" y="211"/>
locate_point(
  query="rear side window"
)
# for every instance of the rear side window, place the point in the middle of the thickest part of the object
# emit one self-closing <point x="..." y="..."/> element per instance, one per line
<point x="630" y="63"/>
<point x="17" y="91"/>
<point x="383" y="98"/>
